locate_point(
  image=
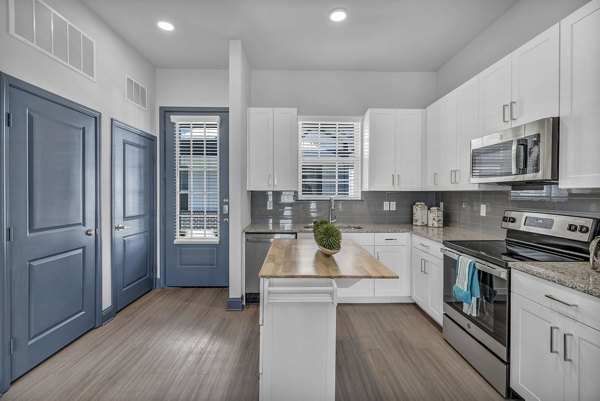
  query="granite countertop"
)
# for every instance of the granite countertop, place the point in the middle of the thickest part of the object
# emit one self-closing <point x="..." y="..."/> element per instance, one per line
<point x="434" y="234"/>
<point x="576" y="275"/>
<point x="303" y="259"/>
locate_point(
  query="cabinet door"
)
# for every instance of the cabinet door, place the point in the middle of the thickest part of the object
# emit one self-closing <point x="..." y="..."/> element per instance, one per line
<point x="535" y="78"/>
<point x="380" y="150"/>
<point x="397" y="259"/>
<point x="448" y="142"/>
<point x="581" y="356"/>
<point x="409" y="150"/>
<point x="494" y="97"/>
<point x="467" y="120"/>
<point x="432" y="146"/>
<point x="357" y="289"/>
<point x="420" y="285"/>
<point x="260" y="149"/>
<point x="580" y="98"/>
<point x="285" y="149"/>
<point x="536" y="369"/>
<point x="435" y="274"/>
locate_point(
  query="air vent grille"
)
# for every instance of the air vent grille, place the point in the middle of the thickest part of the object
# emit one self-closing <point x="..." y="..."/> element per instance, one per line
<point x="136" y="93"/>
<point x="42" y="27"/>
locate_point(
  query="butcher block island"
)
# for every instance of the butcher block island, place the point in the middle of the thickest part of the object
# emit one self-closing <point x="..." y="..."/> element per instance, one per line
<point x="298" y="300"/>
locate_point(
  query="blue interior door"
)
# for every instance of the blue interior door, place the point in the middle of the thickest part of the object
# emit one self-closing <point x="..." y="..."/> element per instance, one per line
<point x="133" y="245"/>
<point x="196" y="199"/>
<point x="52" y="214"/>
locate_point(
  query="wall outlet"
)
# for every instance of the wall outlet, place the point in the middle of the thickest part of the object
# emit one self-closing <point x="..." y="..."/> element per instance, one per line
<point x="386" y="205"/>
<point x="483" y="210"/>
<point x="392" y="205"/>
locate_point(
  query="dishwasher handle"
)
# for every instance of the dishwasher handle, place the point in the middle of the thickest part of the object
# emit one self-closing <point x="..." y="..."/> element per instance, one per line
<point x="260" y="240"/>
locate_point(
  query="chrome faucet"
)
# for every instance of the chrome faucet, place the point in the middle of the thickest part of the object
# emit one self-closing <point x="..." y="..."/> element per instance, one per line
<point x="332" y="218"/>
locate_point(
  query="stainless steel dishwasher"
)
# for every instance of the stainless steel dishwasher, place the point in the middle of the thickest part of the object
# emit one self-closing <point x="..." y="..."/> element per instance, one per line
<point x="257" y="247"/>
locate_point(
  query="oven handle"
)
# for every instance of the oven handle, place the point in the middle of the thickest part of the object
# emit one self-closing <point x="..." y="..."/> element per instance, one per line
<point x="495" y="271"/>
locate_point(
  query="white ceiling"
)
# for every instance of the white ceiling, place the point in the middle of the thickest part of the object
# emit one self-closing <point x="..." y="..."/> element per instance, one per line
<point x="379" y="35"/>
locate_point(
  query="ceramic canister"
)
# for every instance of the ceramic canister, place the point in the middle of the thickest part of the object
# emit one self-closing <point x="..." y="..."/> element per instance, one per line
<point x="435" y="218"/>
<point x="419" y="214"/>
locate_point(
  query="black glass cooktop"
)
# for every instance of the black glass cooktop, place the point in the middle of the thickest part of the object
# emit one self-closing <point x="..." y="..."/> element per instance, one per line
<point x="502" y="252"/>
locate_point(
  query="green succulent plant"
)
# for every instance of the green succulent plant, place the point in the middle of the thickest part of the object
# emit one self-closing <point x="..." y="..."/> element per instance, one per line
<point x="318" y="224"/>
<point x="328" y="236"/>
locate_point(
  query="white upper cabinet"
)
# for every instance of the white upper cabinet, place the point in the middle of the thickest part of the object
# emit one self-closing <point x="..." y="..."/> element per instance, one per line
<point x="433" y="147"/>
<point x="272" y="153"/>
<point x="494" y="97"/>
<point x="448" y="160"/>
<point x="580" y="98"/>
<point x="467" y="113"/>
<point x="522" y="87"/>
<point x="392" y="150"/>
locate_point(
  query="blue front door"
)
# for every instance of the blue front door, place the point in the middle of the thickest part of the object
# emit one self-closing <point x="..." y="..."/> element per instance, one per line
<point x="196" y="202"/>
<point x="134" y="182"/>
<point x="52" y="214"/>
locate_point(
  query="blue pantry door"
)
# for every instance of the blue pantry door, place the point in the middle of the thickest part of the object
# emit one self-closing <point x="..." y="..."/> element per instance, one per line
<point x="52" y="213"/>
<point x="134" y="183"/>
<point x="196" y="199"/>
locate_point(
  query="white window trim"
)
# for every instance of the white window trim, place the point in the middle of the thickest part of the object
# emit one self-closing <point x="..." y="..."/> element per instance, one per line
<point x="331" y="119"/>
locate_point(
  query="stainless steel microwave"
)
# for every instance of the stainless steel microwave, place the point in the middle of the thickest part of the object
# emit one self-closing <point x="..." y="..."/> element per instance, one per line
<point x="527" y="153"/>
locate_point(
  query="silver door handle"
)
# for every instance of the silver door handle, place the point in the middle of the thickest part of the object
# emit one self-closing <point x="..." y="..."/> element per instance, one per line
<point x="552" y="328"/>
<point x="505" y="111"/>
<point x="90" y="232"/>
<point x="552" y="297"/>
<point x="513" y="110"/>
<point x="565" y="357"/>
<point x="120" y="227"/>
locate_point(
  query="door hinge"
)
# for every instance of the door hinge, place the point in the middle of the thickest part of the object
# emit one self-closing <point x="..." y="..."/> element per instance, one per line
<point x="9" y="234"/>
<point x="12" y="346"/>
<point x="9" y="119"/>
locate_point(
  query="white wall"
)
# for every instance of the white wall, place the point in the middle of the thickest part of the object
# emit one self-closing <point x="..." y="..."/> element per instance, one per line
<point x="522" y="22"/>
<point x="114" y="60"/>
<point x="239" y="99"/>
<point x="192" y="88"/>
<point x="341" y="92"/>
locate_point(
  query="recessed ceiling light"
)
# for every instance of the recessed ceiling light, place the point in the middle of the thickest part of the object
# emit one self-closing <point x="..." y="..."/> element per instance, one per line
<point x="165" y="26"/>
<point x="338" y="14"/>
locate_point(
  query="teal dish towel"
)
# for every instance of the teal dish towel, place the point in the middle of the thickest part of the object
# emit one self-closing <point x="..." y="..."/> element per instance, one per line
<point x="466" y="288"/>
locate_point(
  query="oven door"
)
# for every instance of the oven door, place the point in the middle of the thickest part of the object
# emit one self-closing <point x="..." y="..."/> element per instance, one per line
<point x="490" y="326"/>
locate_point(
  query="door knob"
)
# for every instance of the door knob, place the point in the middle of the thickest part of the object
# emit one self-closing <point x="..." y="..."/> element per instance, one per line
<point x="90" y="232"/>
<point x="120" y="227"/>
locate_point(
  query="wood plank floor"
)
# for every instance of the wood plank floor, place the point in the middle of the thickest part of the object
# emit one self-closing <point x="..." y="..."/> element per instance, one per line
<point x="180" y="344"/>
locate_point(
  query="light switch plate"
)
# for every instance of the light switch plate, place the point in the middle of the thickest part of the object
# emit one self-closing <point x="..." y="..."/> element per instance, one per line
<point x="483" y="210"/>
<point x="386" y="205"/>
<point x="392" y="205"/>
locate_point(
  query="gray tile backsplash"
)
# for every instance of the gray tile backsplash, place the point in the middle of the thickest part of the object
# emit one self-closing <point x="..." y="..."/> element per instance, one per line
<point x="461" y="209"/>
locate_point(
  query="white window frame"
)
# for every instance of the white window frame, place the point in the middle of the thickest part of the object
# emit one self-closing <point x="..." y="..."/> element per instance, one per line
<point x="177" y="120"/>
<point x="357" y="160"/>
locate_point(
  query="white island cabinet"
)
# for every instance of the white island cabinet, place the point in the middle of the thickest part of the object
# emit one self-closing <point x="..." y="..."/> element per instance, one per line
<point x="298" y="299"/>
<point x="555" y="341"/>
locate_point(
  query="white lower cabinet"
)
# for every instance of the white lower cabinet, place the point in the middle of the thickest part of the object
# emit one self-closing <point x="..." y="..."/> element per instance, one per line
<point x="358" y="289"/>
<point x="428" y="279"/>
<point x="553" y="356"/>
<point x="397" y="258"/>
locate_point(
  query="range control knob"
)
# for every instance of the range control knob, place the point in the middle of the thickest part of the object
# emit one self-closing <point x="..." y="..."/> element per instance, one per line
<point x="512" y="220"/>
<point x="572" y="227"/>
<point x="505" y="219"/>
<point x="584" y="229"/>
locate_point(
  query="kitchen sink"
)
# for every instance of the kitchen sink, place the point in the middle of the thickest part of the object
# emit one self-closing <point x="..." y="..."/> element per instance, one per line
<point x="341" y="226"/>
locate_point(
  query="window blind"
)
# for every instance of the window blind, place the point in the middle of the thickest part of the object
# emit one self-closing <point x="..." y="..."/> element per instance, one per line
<point x="197" y="178"/>
<point x="329" y="157"/>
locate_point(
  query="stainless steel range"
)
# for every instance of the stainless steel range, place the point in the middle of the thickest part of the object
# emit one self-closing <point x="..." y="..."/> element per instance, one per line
<point x="482" y="338"/>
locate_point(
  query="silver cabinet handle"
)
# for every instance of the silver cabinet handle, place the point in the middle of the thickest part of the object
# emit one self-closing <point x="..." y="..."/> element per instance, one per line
<point x="552" y="297"/>
<point x="565" y="357"/>
<point x="120" y="227"/>
<point x="422" y="265"/>
<point x="275" y="179"/>
<point x="457" y="176"/>
<point x="270" y="176"/>
<point x="552" y="328"/>
<point x="513" y="110"/>
<point x="90" y="232"/>
<point x="435" y="175"/>
<point x="451" y="176"/>
<point x="398" y="180"/>
<point x="424" y="245"/>
<point x="377" y="255"/>
<point x="425" y="267"/>
<point x="505" y="111"/>
<point x="393" y="184"/>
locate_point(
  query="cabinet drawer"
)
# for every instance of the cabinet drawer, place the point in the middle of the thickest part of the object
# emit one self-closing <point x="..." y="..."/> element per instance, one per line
<point x="392" y="238"/>
<point x="585" y="309"/>
<point x="362" y="239"/>
<point x="431" y="247"/>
